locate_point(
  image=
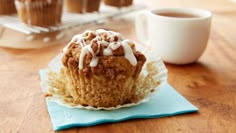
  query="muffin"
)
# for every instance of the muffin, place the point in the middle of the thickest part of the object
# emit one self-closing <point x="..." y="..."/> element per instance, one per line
<point x="7" y="7"/>
<point x="40" y="12"/>
<point x="82" y="6"/>
<point x="118" y="3"/>
<point x="100" y="69"/>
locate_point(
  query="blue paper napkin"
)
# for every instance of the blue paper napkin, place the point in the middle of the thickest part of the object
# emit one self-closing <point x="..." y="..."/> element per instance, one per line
<point x="166" y="102"/>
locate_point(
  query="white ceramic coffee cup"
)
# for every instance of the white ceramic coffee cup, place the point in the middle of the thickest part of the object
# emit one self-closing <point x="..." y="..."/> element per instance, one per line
<point x="178" y="40"/>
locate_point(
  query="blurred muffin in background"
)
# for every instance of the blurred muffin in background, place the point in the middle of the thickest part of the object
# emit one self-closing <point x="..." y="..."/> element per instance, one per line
<point x="40" y="12"/>
<point x="7" y="7"/>
<point x="82" y="6"/>
<point x="118" y="3"/>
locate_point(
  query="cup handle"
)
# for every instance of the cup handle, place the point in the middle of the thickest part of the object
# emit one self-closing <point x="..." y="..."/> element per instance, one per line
<point x="141" y="26"/>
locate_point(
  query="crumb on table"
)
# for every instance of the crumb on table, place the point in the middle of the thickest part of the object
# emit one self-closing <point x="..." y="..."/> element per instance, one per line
<point x="48" y="94"/>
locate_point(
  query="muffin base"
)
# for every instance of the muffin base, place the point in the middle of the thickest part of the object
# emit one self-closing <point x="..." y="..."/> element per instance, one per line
<point x="145" y="86"/>
<point x="115" y="86"/>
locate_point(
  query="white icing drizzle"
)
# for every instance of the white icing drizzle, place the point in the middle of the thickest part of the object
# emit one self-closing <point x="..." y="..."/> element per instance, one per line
<point x="77" y="39"/>
<point x="66" y="48"/>
<point x="104" y="43"/>
<point x="114" y="45"/>
<point x="107" y="52"/>
<point x="90" y="50"/>
<point x="84" y="51"/>
<point x="94" y="61"/>
<point x="110" y="45"/>
<point x="129" y="53"/>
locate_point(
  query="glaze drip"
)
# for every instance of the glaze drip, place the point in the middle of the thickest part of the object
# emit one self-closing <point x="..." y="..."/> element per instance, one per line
<point x="108" y="41"/>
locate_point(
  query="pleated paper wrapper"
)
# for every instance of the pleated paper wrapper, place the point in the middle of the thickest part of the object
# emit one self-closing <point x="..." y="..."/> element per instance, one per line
<point x="152" y="58"/>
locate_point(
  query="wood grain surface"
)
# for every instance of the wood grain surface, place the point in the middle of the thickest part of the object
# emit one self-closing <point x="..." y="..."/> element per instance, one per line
<point x="210" y="84"/>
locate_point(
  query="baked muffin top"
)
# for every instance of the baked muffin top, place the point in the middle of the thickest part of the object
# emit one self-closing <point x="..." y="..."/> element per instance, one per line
<point x="102" y="43"/>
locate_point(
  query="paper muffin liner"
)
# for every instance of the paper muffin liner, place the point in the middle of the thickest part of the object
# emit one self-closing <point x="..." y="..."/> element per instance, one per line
<point x="40" y="13"/>
<point x="152" y="60"/>
<point x="7" y="7"/>
<point x="82" y="6"/>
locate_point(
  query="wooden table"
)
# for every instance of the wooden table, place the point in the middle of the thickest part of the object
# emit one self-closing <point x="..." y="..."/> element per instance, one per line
<point x="210" y="84"/>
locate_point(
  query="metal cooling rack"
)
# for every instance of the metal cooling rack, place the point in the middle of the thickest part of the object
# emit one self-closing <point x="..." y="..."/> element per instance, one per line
<point x="69" y="20"/>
